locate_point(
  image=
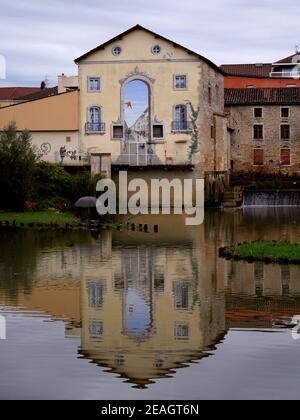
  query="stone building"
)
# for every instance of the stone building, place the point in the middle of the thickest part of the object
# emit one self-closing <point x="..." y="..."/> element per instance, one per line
<point x="265" y="129"/>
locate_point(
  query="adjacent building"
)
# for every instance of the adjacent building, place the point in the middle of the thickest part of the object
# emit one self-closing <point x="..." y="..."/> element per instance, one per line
<point x="265" y="129"/>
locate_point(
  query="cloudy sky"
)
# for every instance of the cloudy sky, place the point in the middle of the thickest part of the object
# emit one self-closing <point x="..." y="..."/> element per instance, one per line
<point x="43" y="37"/>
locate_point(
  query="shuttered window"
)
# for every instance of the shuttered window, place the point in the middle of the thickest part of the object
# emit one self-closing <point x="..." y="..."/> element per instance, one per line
<point x="258" y="157"/>
<point x="285" y="157"/>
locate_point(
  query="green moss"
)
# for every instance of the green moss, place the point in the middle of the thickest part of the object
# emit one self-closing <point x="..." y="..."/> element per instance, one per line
<point x="269" y="251"/>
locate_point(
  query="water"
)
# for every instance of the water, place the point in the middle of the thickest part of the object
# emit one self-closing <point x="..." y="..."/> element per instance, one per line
<point x="278" y="198"/>
<point x="149" y="316"/>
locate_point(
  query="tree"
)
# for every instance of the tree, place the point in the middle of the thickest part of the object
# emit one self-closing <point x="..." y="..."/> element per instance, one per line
<point x="17" y="164"/>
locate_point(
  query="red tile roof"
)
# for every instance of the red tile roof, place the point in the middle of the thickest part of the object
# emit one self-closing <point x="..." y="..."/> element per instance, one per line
<point x="262" y="96"/>
<point x="11" y="93"/>
<point x="247" y="70"/>
<point x="41" y="93"/>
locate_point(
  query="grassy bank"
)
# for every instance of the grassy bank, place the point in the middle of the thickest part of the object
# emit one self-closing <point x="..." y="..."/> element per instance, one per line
<point x="40" y="217"/>
<point x="267" y="251"/>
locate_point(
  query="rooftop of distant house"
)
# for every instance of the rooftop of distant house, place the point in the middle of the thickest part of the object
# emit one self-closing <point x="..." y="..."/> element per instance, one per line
<point x="259" y="69"/>
<point x="14" y="93"/>
<point x="262" y="96"/>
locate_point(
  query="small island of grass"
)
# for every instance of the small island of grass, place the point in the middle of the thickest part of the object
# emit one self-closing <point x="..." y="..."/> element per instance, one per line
<point x="267" y="251"/>
<point x="39" y="217"/>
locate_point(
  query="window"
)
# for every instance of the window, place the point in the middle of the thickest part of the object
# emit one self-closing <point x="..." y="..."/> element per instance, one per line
<point x="118" y="131"/>
<point x="258" y="157"/>
<point x="285" y="112"/>
<point x="285" y="157"/>
<point x="94" y="84"/>
<point x="258" y="112"/>
<point x="180" y="81"/>
<point x="117" y="50"/>
<point x="180" y="119"/>
<point x="158" y="131"/>
<point x="212" y="131"/>
<point x="96" y="328"/>
<point x="258" y="132"/>
<point x="95" y="292"/>
<point x="209" y="95"/>
<point x="285" y="131"/>
<point x="156" y="49"/>
<point x="94" y="120"/>
<point x="181" y="331"/>
<point x="182" y="296"/>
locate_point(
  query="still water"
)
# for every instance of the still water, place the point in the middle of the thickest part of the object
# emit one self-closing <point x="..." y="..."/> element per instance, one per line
<point x="132" y="315"/>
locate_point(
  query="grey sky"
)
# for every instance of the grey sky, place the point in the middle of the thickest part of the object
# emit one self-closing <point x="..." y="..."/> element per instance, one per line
<point x="40" y="37"/>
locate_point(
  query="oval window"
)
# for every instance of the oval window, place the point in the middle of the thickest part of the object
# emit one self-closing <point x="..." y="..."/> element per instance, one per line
<point x="116" y="50"/>
<point x="156" y="49"/>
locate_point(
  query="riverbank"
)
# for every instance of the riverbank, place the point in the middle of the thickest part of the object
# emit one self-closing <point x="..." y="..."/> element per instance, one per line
<point x="266" y="251"/>
<point x="47" y="217"/>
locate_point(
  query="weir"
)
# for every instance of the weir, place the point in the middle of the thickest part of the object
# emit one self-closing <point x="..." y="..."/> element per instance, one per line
<point x="274" y="198"/>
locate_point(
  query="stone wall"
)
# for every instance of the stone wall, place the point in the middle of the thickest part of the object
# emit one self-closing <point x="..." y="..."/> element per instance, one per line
<point x="243" y="144"/>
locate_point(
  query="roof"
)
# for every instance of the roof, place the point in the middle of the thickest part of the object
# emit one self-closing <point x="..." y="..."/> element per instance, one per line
<point x="287" y="60"/>
<point x="248" y="70"/>
<point x="139" y="27"/>
<point x="39" y="94"/>
<point x="12" y="93"/>
<point x="262" y="96"/>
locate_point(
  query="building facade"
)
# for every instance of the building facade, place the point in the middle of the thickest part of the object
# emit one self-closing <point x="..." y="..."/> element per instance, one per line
<point x="266" y="129"/>
<point x="174" y="77"/>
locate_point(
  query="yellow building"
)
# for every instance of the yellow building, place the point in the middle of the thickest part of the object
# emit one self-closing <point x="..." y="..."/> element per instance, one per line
<point x="111" y="79"/>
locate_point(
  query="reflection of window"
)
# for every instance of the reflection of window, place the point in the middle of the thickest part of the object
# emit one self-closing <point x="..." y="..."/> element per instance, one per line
<point x="95" y="291"/>
<point x="259" y="278"/>
<point x="118" y="281"/>
<point x="285" y="279"/>
<point x="158" y="364"/>
<point x="96" y="328"/>
<point x="159" y="281"/>
<point x="94" y="84"/>
<point x="119" y="360"/>
<point x="182" y="331"/>
<point x="181" y="295"/>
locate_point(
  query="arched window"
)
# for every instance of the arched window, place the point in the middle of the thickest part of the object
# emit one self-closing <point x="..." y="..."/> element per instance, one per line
<point x="180" y="118"/>
<point x="94" y="118"/>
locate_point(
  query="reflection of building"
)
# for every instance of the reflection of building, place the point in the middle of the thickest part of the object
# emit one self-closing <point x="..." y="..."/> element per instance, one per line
<point x="162" y="317"/>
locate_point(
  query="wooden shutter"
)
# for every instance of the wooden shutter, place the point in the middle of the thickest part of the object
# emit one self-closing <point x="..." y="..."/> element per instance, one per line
<point x="258" y="157"/>
<point x="285" y="156"/>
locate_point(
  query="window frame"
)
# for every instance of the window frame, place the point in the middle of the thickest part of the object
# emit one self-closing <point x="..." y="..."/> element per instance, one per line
<point x="163" y="131"/>
<point x="113" y="50"/>
<point x="153" y="49"/>
<point x="284" y="108"/>
<point x="290" y="160"/>
<point x="258" y="138"/>
<point x="186" y="81"/>
<point x="282" y="138"/>
<point x="262" y="112"/>
<point x="88" y="84"/>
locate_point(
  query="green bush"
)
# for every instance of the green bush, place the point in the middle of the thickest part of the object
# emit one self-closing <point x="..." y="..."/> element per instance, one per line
<point x="83" y="184"/>
<point x="17" y="164"/>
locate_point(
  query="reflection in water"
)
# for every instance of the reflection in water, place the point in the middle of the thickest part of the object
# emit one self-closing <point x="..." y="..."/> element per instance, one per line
<point x="145" y="305"/>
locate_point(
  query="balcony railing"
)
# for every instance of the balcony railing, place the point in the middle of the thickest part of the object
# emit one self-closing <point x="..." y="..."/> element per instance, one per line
<point x="287" y="74"/>
<point x="181" y="126"/>
<point x="95" y="127"/>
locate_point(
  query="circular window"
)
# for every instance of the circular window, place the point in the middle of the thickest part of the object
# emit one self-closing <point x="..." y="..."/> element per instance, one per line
<point x="116" y="50"/>
<point x="156" y="49"/>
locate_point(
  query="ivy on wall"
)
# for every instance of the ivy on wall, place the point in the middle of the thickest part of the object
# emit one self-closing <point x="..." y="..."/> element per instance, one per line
<point x="195" y="135"/>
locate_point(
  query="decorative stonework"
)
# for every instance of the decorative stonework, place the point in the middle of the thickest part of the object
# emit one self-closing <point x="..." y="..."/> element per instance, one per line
<point x="137" y="73"/>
